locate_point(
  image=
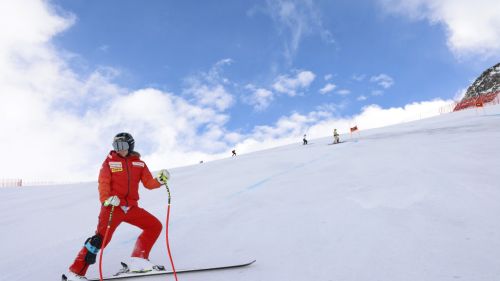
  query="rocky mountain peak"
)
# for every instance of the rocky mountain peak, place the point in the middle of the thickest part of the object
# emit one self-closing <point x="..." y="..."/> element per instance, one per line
<point x="488" y="82"/>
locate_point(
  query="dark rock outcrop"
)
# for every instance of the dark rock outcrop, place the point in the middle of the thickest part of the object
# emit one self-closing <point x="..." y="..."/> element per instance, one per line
<point x="488" y="82"/>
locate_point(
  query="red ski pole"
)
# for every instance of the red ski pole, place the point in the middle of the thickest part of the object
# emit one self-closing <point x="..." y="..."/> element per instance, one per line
<point x="104" y="241"/>
<point x="166" y="235"/>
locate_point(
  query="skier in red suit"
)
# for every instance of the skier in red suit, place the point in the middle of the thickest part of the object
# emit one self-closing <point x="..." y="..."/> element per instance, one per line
<point x="119" y="179"/>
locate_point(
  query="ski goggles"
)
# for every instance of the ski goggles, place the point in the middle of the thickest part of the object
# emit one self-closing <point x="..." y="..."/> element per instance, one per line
<point x="120" y="145"/>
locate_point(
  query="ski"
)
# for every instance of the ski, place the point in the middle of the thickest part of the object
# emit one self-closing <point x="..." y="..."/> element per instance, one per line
<point x="165" y="272"/>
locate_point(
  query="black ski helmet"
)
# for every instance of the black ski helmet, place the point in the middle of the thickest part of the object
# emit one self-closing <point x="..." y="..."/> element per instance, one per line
<point x="124" y="137"/>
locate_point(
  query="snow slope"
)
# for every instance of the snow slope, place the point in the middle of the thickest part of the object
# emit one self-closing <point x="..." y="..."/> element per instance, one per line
<point x="417" y="201"/>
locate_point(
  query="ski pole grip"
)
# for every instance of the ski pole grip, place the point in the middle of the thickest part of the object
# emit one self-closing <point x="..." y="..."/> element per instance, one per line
<point x="111" y="215"/>
<point x="168" y="193"/>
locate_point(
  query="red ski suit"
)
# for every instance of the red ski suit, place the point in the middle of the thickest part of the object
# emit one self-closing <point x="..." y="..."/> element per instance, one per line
<point x="120" y="176"/>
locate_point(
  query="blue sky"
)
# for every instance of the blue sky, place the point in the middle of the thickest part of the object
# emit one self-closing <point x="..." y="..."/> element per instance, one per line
<point x="161" y="43"/>
<point x="195" y="79"/>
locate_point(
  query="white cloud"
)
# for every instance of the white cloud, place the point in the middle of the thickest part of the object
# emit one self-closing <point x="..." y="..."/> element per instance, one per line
<point x="211" y="96"/>
<point x="63" y="122"/>
<point x="328" y="108"/>
<point x="290" y="85"/>
<point x="383" y="80"/>
<point x="472" y="27"/>
<point x="361" y="98"/>
<point x="260" y="98"/>
<point x="327" y="88"/>
<point x="320" y="123"/>
<point x="328" y="77"/>
<point x="359" y="78"/>
<point x="214" y="75"/>
<point x="377" y="93"/>
<point x="18" y="30"/>
<point x="344" y="92"/>
<point x="297" y="19"/>
<point x="373" y="116"/>
<point x="209" y="88"/>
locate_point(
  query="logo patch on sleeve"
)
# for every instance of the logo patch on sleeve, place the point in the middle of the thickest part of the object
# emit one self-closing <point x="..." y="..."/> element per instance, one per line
<point x="115" y="166"/>
<point x="138" y="164"/>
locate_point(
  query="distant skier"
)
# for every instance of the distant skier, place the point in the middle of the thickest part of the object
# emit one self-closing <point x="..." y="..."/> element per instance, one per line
<point x="119" y="179"/>
<point x="304" y="140"/>
<point x="336" y="138"/>
<point x="234" y="153"/>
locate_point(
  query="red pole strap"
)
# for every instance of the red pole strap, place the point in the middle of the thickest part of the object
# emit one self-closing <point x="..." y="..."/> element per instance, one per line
<point x="104" y="241"/>
<point x="168" y="244"/>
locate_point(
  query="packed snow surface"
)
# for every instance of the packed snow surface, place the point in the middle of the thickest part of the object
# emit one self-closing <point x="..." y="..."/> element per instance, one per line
<point x="413" y="202"/>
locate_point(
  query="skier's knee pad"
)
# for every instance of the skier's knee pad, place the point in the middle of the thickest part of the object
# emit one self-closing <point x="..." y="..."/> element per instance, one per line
<point x="93" y="244"/>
